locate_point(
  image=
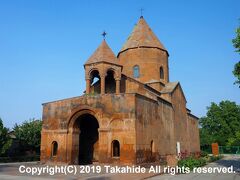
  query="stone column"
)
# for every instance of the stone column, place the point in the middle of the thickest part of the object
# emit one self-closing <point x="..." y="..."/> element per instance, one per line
<point x="117" y="86"/>
<point x="102" y="84"/>
<point x="88" y="84"/>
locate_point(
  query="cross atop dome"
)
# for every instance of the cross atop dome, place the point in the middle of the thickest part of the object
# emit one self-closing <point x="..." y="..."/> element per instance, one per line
<point x="104" y="34"/>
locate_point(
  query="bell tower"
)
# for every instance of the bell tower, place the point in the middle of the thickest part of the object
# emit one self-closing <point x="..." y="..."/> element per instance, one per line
<point x="103" y="66"/>
<point x="144" y="57"/>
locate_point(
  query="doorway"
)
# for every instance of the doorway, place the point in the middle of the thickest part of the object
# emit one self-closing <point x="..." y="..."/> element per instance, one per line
<point x="88" y="138"/>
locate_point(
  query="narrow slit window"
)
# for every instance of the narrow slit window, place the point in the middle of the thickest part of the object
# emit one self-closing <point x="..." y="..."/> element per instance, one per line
<point x="152" y="148"/>
<point x="161" y="73"/>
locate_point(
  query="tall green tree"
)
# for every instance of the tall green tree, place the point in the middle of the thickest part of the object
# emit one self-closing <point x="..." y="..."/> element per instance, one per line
<point x="5" y="140"/>
<point x="29" y="134"/>
<point x="236" y="44"/>
<point x="221" y="124"/>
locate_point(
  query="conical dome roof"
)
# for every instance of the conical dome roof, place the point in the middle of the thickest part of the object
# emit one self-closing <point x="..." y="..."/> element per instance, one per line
<point x="142" y="36"/>
<point x="103" y="54"/>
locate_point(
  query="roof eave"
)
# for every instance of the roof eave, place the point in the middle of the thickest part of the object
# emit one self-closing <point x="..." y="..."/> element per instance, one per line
<point x="143" y="47"/>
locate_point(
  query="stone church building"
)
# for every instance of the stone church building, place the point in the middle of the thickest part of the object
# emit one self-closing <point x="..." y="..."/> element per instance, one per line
<point x="129" y="114"/>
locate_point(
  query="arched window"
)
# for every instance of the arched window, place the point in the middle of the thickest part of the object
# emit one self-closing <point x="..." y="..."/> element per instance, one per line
<point x="54" y="148"/>
<point x="115" y="148"/>
<point x="161" y="73"/>
<point x="136" y="71"/>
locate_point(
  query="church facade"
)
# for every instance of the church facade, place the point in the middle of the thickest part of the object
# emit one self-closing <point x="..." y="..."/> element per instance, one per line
<point x="129" y="113"/>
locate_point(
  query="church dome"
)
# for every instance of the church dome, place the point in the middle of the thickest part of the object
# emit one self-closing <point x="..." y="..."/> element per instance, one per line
<point x="142" y="36"/>
<point x="102" y="54"/>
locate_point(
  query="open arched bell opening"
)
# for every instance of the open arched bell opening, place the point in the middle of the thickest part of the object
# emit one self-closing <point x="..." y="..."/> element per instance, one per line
<point x="87" y="126"/>
<point x="110" y="83"/>
<point x="95" y="82"/>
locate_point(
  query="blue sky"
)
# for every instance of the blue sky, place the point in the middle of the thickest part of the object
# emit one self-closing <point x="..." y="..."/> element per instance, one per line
<point x="44" y="44"/>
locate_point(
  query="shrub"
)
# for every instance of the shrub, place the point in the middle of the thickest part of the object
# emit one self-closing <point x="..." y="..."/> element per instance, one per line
<point x="204" y="154"/>
<point x="19" y="159"/>
<point x="192" y="162"/>
<point x="214" y="158"/>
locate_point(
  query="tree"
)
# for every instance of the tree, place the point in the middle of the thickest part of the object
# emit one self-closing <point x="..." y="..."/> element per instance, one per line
<point x="29" y="134"/>
<point x="205" y="138"/>
<point x="221" y="125"/>
<point x="5" y="140"/>
<point x="236" y="44"/>
<point x="236" y="73"/>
